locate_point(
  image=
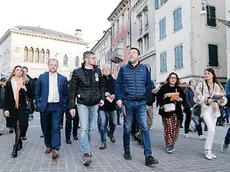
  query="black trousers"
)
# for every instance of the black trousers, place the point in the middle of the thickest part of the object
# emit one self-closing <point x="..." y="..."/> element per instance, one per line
<point x="199" y="128"/>
<point x="24" y="129"/>
<point x="68" y="125"/>
<point x="62" y="119"/>
<point x="187" y="120"/>
<point x="118" y="115"/>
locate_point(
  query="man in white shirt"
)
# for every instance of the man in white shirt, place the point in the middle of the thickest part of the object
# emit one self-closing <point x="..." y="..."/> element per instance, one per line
<point x="51" y="99"/>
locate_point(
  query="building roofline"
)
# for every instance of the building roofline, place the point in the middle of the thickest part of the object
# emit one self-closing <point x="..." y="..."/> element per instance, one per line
<point x="5" y="36"/>
<point x="120" y="3"/>
<point x="22" y="32"/>
<point x="101" y="38"/>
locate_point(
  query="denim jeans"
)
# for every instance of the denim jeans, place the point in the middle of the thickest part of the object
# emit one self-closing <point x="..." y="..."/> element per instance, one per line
<point x="103" y="118"/>
<point x="87" y="117"/>
<point x="227" y="137"/>
<point x="137" y="108"/>
<point x="227" y="113"/>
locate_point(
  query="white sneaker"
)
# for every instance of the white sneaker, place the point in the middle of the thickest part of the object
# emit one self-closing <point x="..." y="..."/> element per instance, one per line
<point x="201" y="137"/>
<point x="186" y="135"/>
<point x="213" y="156"/>
<point x="208" y="155"/>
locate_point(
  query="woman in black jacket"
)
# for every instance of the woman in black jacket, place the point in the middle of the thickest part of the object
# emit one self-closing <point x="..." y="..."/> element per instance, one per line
<point x="171" y="110"/>
<point x="16" y="91"/>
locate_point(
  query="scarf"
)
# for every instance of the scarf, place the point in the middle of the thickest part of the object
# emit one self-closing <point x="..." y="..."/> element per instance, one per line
<point x="16" y="85"/>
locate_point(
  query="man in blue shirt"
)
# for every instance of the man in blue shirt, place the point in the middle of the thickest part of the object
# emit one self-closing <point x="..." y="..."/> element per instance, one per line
<point x="131" y="88"/>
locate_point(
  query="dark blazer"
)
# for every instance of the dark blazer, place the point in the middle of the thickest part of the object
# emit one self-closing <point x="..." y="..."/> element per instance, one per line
<point x="42" y="91"/>
<point x="16" y="114"/>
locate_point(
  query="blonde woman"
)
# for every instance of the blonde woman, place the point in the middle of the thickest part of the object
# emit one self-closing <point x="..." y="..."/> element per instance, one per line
<point x="210" y="94"/>
<point x="16" y="91"/>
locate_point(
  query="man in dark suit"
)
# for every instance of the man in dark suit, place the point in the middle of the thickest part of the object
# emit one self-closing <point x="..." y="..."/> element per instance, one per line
<point x="51" y="99"/>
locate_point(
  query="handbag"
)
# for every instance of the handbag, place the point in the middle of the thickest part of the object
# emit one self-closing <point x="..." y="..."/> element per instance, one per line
<point x="197" y="108"/>
<point x="170" y="107"/>
<point x="29" y="105"/>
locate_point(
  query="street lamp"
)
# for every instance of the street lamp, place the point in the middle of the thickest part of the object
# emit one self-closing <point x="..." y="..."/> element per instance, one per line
<point x="203" y="10"/>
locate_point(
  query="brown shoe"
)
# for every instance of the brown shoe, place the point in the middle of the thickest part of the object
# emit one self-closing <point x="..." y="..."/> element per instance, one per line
<point x="55" y="154"/>
<point x="103" y="145"/>
<point x="48" y="150"/>
<point x="112" y="139"/>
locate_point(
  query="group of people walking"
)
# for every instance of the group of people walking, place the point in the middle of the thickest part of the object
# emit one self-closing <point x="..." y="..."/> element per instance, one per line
<point x="92" y="93"/>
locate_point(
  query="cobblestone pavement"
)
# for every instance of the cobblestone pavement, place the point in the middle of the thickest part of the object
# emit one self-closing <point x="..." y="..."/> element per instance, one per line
<point x="187" y="158"/>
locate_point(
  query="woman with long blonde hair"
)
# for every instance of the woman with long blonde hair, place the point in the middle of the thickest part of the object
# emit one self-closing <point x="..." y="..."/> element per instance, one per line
<point x="16" y="92"/>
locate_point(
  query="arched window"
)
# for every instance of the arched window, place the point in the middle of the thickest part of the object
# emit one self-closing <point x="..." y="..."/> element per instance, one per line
<point x="25" y="54"/>
<point x="77" y="61"/>
<point x="47" y="55"/>
<point x="42" y="56"/>
<point x="31" y="55"/>
<point x="37" y="55"/>
<point x="65" y="61"/>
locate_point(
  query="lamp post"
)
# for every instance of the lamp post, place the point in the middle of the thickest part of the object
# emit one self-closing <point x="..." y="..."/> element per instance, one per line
<point x="204" y="13"/>
<point x="203" y="10"/>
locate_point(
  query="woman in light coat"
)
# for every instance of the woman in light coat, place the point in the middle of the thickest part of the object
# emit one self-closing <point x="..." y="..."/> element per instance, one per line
<point x="210" y="94"/>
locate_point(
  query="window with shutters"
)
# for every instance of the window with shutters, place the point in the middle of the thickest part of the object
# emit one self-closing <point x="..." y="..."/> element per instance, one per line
<point x="156" y="4"/>
<point x="211" y="16"/>
<point x="178" y="56"/>
<point x="177" y="19"/>
<point x="213" y="55"/>
<point x="163" y="62"/>
<point x="162" y="28"/>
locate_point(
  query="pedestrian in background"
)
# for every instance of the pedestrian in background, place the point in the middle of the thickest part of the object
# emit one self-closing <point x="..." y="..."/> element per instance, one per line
<point x="107" y="112"/>
<point x="2" y="101"/>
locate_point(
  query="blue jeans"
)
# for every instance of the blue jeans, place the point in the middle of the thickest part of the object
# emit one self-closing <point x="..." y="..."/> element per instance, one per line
<point x="227" y="137"/>
<point x="51" y="125"/>
<point x="227" y="113"/>
<point x="103" y="118"/>
<point x="87" y="117"/>
<point x="139" y="109"/>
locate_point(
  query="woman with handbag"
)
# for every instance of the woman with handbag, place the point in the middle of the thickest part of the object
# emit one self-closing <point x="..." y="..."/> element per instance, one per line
<point x="170" y="98"/>
<point x="16" y="92"/>
<point x="210" y="94"/>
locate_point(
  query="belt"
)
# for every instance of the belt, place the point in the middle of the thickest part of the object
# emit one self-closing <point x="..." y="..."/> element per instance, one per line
<point x="53" y="103"/>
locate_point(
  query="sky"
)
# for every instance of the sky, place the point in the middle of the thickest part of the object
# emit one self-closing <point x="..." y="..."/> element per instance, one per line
<point x="60" y="15"/>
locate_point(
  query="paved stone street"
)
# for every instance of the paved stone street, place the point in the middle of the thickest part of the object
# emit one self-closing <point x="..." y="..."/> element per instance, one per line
<point x="187" y="158"/>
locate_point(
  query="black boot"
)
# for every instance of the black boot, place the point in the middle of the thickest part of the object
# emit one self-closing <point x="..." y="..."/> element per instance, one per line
<point x="14" y="153"/>
<point x="20" y="145"/>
